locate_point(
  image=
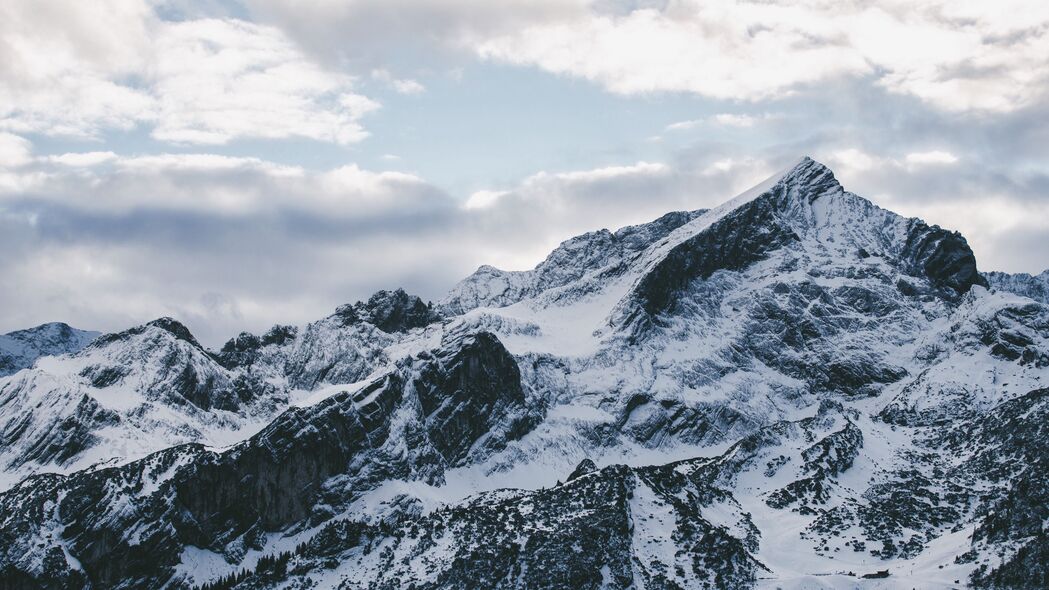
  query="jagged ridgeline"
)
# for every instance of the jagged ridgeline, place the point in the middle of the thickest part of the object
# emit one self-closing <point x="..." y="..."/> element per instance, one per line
<point x="795" y="389"/>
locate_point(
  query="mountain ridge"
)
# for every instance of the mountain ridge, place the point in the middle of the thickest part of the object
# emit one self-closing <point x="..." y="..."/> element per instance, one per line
<point x="777" y="392"/>
<point x="20" y="349"/>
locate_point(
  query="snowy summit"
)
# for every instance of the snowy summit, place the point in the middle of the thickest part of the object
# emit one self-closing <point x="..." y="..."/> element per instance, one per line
<point x="794" y="389"/>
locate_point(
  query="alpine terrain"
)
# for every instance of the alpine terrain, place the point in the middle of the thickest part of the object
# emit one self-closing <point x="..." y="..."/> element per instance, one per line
<point x="796" y="389"/>
<point x="19" y="349"/>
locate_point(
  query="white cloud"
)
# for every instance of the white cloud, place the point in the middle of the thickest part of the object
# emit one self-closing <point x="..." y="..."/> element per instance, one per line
<point x="218" y="80"/>
<point x="229" y="243"/>
<point x="720" y="167"/>
<point x="65" y="66"/>
<point x="521" y="224"/>
<point x="211" y="184"/>
<point x="200" y="236"/>
<point x="99" y="234"/>
<point x="400" y="85"/>
<point x="730" y="51"/>
<point x="15" y="151"/>
<point x="376" y="33"/>
<point x="80" y="69"/>
<point x="602" y="174"/>
<point x="82" y="159"/>
<point x="483" y="199"/>
<point x="957" y="56"/>
<point x="204" y="162"/>
<point x="408" y="86"/>
<point x="683" y="125"/>
<point x="854" y="159"/>
<point x="933" y="157"/>
<point x="132" y="238"/>
<point x="723" y="119"/>
<point x="733" y="120"/>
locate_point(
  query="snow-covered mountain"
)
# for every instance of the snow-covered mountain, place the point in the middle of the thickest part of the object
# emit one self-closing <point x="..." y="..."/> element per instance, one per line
<point x="153" y="386"/>
<point x="1036" y="287"/>
<point x="19" y="349"/>
<point x="796" y="389"/>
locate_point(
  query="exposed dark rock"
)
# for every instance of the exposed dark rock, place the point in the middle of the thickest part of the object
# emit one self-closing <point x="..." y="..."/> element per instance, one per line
<point x="347" y="313"/>
<point x="1011" y="444"/>
<point x="586" y="466"/>
<point x="172" y="326"/>
<point x="244" y="349"/>
<point x="390" y="311"/>
<point x="941" y="255"/>
<point x="732" y="243"/>
<point x="274" y="479"/>
<point x="240" y="351"/>
<point x="602" y="252"/>
<point x="104" y="376"/>
<point x="1014" y="333"/>
<point x="582" y="534"/>
<point x="279" y="335"/>
<point x="70" y="436"/>
<point x="205" y="390"/>
<point x="824" y="460"/>
<point x="465" y="392"/>
<point x="726" y="329"/>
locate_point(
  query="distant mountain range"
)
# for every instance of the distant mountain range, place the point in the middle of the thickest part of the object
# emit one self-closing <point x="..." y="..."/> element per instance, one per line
<point x="18" y="350"/>
<point x="795" y="389"/>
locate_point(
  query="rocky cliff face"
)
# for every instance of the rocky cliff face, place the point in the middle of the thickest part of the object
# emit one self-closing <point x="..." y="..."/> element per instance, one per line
<point x="126" y="394"/>
<point x="600" y="252"/>
<point x="129" y="525"/>
<point x="134" y="392"/>
<point x="795" y="389"/>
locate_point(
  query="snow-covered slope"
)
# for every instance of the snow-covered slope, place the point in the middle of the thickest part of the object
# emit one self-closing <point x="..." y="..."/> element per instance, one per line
<point x="1035" y="287"/>
<point x="19" y="349"/>
<point x="795" y="389"/>
<point x="154" y="386"/>
<point x="122" y="397"/>
<point x="595" y="253"/>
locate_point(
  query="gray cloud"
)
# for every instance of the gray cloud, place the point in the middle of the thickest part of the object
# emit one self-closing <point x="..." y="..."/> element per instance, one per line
<point x="957" y="57"/>
<point x="230" y="244"/>
<point x="953" y="132"/>
<point x="365" y="34"/>
<point x="231" y="247"/>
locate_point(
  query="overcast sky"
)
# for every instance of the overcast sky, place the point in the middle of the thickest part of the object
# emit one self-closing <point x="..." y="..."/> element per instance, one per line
<point x="236" y="164"/>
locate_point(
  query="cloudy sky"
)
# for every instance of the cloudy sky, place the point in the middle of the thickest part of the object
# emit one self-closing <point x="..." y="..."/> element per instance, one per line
<point x="240" y="163"/>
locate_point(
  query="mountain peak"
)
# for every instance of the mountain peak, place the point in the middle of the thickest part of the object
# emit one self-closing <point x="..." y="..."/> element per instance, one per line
<point x="806" y="332"/>
<point x="167" y="324"/>
<point x="811" y="174"/>
<point x="801" y="183"/>
<point x="389" y="311"/>
<point x="805" y="177"/>
<point x="175" y="327"/>
<point x="805" y="210"/>
<point x="21" y="348"/>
